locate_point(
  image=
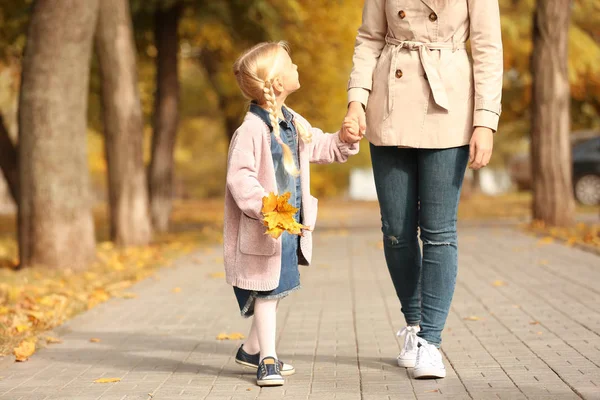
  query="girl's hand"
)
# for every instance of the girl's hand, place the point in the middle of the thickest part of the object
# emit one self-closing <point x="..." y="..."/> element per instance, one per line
<point x="480" y="148"/>
<point x="355" y="113"/>
<point x="350" y="131"/>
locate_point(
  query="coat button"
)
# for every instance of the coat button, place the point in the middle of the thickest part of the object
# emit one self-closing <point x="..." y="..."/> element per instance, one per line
<point x="402" y="14"/>
<point x="433" y="17"/>
<point x="399" y="73"/>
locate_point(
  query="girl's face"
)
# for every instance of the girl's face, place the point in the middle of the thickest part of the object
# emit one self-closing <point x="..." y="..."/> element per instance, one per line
<point x="290" y="81"/>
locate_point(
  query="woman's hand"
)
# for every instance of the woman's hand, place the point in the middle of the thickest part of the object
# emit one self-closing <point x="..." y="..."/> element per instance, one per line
<point x="351" y="131"/>
<point x="480" y="148"/>
<point x="355" y="113"/>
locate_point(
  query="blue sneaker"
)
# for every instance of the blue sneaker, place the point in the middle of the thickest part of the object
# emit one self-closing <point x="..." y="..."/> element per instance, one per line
<point x="252" y="361"/>
<point x="268" y="373"/>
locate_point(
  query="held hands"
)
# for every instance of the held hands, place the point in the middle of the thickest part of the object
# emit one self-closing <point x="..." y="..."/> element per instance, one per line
<point x="354" y="126"/>
<point x="480" y="148"/>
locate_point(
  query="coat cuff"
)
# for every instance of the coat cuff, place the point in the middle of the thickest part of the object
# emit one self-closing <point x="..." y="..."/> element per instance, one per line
<point x="486" y="118"/>
<point x="487" y="114"/>
<point x="358" y="94"/>
<point x="346" y="149"/>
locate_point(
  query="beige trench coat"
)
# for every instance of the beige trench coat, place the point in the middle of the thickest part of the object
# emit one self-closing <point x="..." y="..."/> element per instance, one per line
<point x="413" y="73"/>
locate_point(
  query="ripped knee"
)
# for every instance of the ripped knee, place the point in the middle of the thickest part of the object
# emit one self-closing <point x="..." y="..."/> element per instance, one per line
<point x="434" y="243"/>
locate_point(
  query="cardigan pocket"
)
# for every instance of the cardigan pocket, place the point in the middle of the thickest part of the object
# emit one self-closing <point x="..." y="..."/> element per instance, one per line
<point x="253" y="240"/>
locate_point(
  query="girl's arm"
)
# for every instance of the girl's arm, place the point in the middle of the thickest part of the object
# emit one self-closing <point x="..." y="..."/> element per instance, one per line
<point x="369" y="44"/>
<point x="486" y="46"/>
<point x="327" y="148"/>
<point x="242" y="177"/>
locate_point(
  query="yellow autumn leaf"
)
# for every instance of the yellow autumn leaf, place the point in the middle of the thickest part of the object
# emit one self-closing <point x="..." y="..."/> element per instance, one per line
<point x="24" y="350"/>
<point x="546" y="240"/>
<point x="107" y="380"/>
<point x="230" y="336"/>
<point x="176" y="290"/>
<point x="279" y="214"/>
<point x="22" y="328"/>
<point x="269" y="203"/>
<point x="499" y="283"/>
<point x="472" y="318"/>
<point x="52" y="340"/>
<point x="95" y="340"/>
<point x="217" y="275"/>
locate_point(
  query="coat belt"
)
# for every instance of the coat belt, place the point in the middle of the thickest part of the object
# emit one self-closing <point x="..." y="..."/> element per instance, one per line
<point x="429" y="65"/>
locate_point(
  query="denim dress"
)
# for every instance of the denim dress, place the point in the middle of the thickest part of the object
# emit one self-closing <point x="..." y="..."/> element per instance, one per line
<point x="290" y="275"/>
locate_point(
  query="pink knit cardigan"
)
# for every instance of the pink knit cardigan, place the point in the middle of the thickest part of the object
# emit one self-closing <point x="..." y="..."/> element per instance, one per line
<point x="252" y="258"/>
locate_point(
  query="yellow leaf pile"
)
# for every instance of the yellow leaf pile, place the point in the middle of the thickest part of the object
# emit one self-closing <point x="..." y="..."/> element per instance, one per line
<point x="279" y="216"/>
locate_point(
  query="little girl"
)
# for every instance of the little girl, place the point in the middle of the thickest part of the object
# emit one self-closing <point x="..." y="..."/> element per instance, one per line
<point x="270" y="153"/>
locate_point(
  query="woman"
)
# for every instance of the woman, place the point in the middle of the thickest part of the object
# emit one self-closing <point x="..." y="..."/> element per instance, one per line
<point x="429" y="111"/>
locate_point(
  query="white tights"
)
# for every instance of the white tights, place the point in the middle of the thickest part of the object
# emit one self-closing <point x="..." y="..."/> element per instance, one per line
<point x="264" y="329"/>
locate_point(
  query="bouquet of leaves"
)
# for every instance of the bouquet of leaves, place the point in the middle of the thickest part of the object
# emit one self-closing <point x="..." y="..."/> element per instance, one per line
<point x="279" y="216"/>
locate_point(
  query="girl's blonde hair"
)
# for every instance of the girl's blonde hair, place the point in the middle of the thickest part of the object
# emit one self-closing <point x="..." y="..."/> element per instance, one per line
<point x="255" y="72"/>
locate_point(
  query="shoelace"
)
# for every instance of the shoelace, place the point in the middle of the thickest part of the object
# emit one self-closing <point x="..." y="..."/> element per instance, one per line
<point x="410" y="338"/>
<point x="433" y="355"/>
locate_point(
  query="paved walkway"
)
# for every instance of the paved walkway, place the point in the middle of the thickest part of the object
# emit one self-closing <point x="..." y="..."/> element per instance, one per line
<point x="525" y="324"/>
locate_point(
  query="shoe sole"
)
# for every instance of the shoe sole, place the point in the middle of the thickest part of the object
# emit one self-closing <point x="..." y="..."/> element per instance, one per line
<point x="406" y="363"/>
<point x="270" y="382"/>
<point x="255" y="367"/>
<point x="428" y="374"/>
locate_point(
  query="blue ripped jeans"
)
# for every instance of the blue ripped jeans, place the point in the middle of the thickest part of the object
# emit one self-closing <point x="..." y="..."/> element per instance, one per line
<point x="418" y="190"/>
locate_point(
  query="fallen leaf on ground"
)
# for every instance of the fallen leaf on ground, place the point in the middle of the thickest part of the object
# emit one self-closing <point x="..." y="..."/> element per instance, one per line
<point x="539" y="333"/>
<point x="546" y="240"/>
<point x="53" y="340"/>
<point x="230" y="336"/>
<point x="432" y="391"/>
<point x="499" y="283"/>
<point x="129" y="295"/>
<point x="95" y="340"/>
<point x="176" y="290"/>
<point x="107" y="380"/>
<point x="217" y="275"/>
<point x="24" y="350"/>
<point x="472" y="318"/>
<point x="534" y="323"/>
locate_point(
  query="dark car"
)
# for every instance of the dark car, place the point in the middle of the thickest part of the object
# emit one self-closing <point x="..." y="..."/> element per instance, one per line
<point x="586" y="171"/>
<point x="586" y="168"/>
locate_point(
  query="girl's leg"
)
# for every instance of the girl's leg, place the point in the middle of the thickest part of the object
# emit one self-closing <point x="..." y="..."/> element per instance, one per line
<point x="396" y="175"/>
<point x="441" y="175"/>
<point x="265" y="320"/>
<point x="251" y="345"/>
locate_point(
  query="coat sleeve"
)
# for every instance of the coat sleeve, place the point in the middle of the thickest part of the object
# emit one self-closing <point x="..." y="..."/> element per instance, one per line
<point x="486" y="46"/>
<point x="367" y="49"/>
<point x="242" y="176"/>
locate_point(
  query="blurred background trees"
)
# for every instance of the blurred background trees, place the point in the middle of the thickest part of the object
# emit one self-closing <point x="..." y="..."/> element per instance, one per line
<point x="134" y="104"/>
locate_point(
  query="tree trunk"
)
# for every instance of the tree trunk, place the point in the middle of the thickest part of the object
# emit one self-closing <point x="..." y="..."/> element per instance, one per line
<point x="166" y="115"/>
<point x="553" y="200"/>
<point x="9" y="162"/>
<point x="211" y="62"/>
<point x="123" y="126"/>
<point x="56" y="228"/>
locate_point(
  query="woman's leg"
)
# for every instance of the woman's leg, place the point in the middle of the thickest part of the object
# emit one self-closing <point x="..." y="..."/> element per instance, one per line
<point x="265" y="319"/>
<point x="441" y="175"/>
<point x="396" y="173"/>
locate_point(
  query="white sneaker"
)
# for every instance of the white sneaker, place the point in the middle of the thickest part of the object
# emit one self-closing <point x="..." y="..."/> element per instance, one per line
<point x="408" y="355"/>
<point x="429" y="362"/>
